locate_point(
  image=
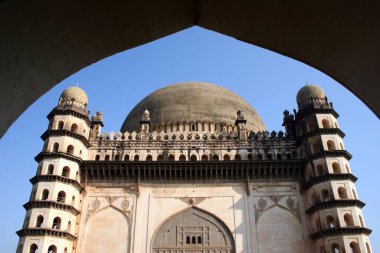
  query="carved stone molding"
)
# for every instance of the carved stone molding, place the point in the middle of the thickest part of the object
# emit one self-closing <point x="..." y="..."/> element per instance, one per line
<point x="192" y="201"/>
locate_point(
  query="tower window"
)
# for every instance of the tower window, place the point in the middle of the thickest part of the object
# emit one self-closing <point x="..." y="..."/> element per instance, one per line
<point x="226" y="157"/>
<point x="39" y="221"/>
<point x="325" y="123"/>
<point x="330" y="145"/>
<point x="330" y="222"/>
<point x="61" y="197"/>
<point x="117" y="157"/>
<point x="148" y="158"/>
<point x="215" y="157"/>
<point x="74" y="128"/>
<point x="354" y="247"/>
<point x="70" y="150"/>
<point x="171" y="157"/>
<point x="65" y="171"/>
<point x="259" y="157"/>
<point x="204" y="157"/>
<point x="193" y="158"/>
<point x="60" y="125"/>
<point x="182" y="158"/>
<point x="342" y="193"/>
<point x="250" y="157"/>
<point x="126" y="158"/>
<point x="279" y="156"/>
<point x="136" y="158"/>
<point x="50" y="169"/>
<point x="52" y="249"/>
<point x="97" y="157"/>
<point x="56" y="223"/>
<point x="336" y="168"/>
<point x="55" y="147"/>
<point x="160" y="158"/>
<point x="348" y="220"/>
<point x="45" y="194"/>
<point x="33" y="248"/>
<point x="107" y="158"/>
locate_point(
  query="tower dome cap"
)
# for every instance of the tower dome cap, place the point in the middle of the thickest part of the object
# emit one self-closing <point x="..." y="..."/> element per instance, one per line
<point x="76" y="94"/>
<point x="309" y="91"/>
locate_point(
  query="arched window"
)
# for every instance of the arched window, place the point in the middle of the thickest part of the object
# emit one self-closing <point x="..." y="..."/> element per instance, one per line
<point x="50" y="169"/>
<point x="136" y="158"/>
<point x="106" y="157"/>
<point x="61" y="197"/>
<point x="73" y="201"/>
<point x="193" y="240"/>
<point x="52" y="249"/>
<point x="342" y="193"/>
<point x="288" y="156"/>
<point x="33" y="248"/>
<point x="237" y="157"/>
<point x="187" y="239"/>
<point x="316" y="148"/>
<point x="148" y="158"/>
<point x="325" y="195"/>
<point x="269" y="156"/>
<point x="160" y="158"/>
<point x="66" y="172"/>
<point x="215" y="157"/>
<point x="204" y="157"/>
<point x="55" y="147"/>
<point x="325" y="123"/>
<point x="97" y="157"/>
<point x="126" y="158"/>
<point x="336" y="168"/>
<point x="354" y="247"/>
<point x="348" y="220"/>
<point x="69" y="226"/>
<point x="39" y="221"/>
<point x="60" y="125"/>
<point x="74" y="128"/>
<point x="182" y="157"/>
<point x="367" y="247"/>
<point x="320" y="170"/>
<point x="341" y="146"/>
<point x="199" y="240"/>
<point x="330" y="222"/>
<point x="279" y="156"/>
<point x="171" y="157"/>
<point x="226" y="157"/>
<point x="65" y="250"/>
<point x="330" y="145"/>
<point x="56" y="223"/>
<point x="347" y="169"/>
<point x="260" y="157"/>
<point x="77" y="176"/>
<point x="250" y="157"/>
<point x="117" y="157"/>
<point x="70" y="150"/>
<point x="193" y="158"/>
<point x="335" y="248"/>
<point x="45" y="194"/>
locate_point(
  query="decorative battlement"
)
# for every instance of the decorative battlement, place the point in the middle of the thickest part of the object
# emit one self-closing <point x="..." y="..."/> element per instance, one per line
<point x="72" y="103"/>
<point x="316" y="102"/>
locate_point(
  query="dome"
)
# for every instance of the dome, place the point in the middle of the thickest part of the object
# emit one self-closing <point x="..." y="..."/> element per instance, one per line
<point x="308" y="91"/>
<point x="75" y="93"/>
<point x="193" y="101"/>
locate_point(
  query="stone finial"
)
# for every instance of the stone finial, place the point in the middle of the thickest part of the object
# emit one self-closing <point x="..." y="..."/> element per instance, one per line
<point x="97" y="117"/>
<point x="145" y="116"/>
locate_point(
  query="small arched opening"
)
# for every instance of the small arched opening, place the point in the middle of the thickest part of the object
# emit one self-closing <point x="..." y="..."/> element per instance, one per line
<point x="354" y="247"/>
<point x="226" y="157"/>
<point x="215" y="157"/>
<point x="149" y="158"/>
<point x="117" y="157"/>
<point x="320" y="170"/>
<point x="269" y="156"/>
<point x="50" y="170"/>
<point x="331" y="145"/>
<point x="45" y="194"/>
<point x="289" y="156"/>
<point x="55" y="147"/>
<point x="279" y="156"/>
<point x="250" y="157"/>
<point x="237" y="157"/>
<point x="342" y="193"/>
<point x="39" y="221"/>
<point x="61" y="197"/>
<point x="336" y="168"/>
<point x="325" y="195"/>
<point x="97" y="157"/>
<point x="136" y="158"/>
<point x="349" y="221"/>
<point x="335" y="248"/>
<point x="160" y="157"/>
<point x="325" y="123"/>
<point x="66" y="171"/>
<point x="204" y="157"/>
<point x="315" y="148"/>
<point x="330" y="222"/>
<point x="73" y="201"/>
<point x="354" y="194"/>
<point x="56" y="223"/>
<point x="347" y="169"/>
<point x="193" y="158"/>
<point x="126" y="157"/>
<point x="106" y="157"/>
<point x="171" y="157"/>
<point x="70" y="150"/>
<point x="52" y="249"/>
<point x="74" y="128"/>
<point x="310" y="126"/>
<point x="33" y="248"/>
<point x="259" y="157"/>
<point x="60" y="125"/>
<point x="69" y="227"/>
<point x="182" y="158"/>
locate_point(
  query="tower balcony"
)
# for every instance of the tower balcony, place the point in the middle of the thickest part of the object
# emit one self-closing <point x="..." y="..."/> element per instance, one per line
<point x="340" y="231"/>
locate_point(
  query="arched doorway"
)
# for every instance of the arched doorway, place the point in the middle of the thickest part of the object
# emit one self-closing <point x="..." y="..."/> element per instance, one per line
<point x="193" y="230"/>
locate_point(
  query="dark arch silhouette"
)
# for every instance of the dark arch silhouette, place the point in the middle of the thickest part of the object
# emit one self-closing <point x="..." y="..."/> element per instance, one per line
<point x="193" y="229"/>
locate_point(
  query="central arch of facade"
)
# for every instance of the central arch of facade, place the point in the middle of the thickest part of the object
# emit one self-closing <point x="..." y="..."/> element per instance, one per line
<point x="193" y="231"/>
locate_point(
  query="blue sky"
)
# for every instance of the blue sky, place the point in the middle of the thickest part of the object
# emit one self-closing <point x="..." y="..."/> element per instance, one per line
<point x="268" y="81"/>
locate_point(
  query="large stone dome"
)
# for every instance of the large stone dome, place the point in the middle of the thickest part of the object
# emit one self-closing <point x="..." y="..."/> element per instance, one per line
<point x="193" y="101"/>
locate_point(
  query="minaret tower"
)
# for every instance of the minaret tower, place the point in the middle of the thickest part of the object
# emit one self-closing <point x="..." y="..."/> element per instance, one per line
<point x="336" y="221"/>
<point x="53" y="211"/>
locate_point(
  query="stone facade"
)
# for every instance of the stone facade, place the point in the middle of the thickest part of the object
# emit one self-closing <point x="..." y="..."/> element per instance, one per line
<point x="194" y="185"/>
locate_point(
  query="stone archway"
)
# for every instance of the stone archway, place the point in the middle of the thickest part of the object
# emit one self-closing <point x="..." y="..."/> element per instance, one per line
<point x="193" y="231"/>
